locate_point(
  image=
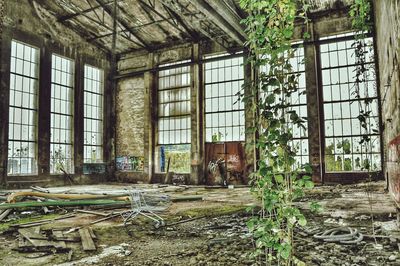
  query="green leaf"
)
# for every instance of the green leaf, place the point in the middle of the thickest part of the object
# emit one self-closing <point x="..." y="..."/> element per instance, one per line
<point x="309" y="184"/>
<point x="279" y="179"/>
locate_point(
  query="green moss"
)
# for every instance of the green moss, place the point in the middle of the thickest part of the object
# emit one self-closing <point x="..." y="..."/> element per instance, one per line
<point x="212" y="211"/>
<point x="5" y="226"/>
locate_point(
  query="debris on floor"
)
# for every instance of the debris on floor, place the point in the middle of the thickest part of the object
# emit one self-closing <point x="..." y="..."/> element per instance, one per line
<point x="176" y="225"/>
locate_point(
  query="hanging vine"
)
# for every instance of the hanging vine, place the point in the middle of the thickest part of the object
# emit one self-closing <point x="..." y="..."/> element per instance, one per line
<point x="360" y="12"/>
<point x="279" y="180"/>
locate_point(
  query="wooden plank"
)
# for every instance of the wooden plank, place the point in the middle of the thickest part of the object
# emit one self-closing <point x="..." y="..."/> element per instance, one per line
<point x="45" y="221"/>
<point x="87" y="241"/>
<point x="92" y="233"/>
<point x="93" y="212"/>
<point x="4" y="214"/>
<point x="63" y="203"/>
<point x="35" y="238"/>
<point x="59" y="234"/>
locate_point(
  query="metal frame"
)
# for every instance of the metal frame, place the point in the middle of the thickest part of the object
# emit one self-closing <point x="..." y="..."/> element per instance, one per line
<point x="339" y="177"/>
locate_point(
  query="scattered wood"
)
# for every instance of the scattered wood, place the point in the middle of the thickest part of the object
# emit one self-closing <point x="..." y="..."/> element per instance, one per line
<point x="4" y="214"/>
<point x="59" y="235"/>
<point x="70" y="253"/>
<point x="34" y="238"/>
<point x="186" y="198"/>
<point x="94" y="212"/>
<point x="93" y="222"/>
<point x="41" y="222"/>
<point x="40" y="189"/>
<point x="61" y="203"/>
<point x="14" y="196"/>
<point x="87" y="241"/>
<point x="92" y="233"/>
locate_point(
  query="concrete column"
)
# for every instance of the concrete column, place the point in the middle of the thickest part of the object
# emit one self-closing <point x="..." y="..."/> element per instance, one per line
<point x="250" y="115"/>
<point x="196" y="105"/>
<point x="314" y="110"/>
<point x="150" y="115"/>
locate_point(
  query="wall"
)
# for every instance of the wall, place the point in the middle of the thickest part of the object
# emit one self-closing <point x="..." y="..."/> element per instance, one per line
<point x="26" y="21"/>
<point x="387" y="17"/>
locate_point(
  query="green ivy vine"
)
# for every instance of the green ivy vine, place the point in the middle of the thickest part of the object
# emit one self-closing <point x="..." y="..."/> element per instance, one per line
<point x="279" y="180"/>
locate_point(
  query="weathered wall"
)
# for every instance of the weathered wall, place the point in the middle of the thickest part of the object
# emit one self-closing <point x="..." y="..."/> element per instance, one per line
<point x="26" y="21"/>
<point x="131" y="126"/>
<point x="387" y="16"/>
<point x="130" y="119"/>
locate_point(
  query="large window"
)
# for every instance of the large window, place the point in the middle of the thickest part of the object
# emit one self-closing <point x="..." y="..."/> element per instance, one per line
<point x="93" y="115"/>
<point x="174" y="119"/>
<point x="223" y="109"/>
<point x="343" y="133"/>
<point x="23" y="110"/>
<point x="61" y="142"/>
<point x="297" y="102"/>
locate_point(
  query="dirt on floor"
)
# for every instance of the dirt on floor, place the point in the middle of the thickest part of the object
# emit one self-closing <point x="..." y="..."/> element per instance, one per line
<point x="213" y="231"/>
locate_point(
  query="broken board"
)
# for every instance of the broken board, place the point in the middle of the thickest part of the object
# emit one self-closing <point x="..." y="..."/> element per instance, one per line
<point x="87" y="240"/>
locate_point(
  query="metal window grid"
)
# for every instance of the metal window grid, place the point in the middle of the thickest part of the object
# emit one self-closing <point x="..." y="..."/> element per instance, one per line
<point x="23" y="109"/>
<point x="62" y="117"/>
<point x="343" y="133"/>
<point x="93" y="114"/>
<point x="224" y="111"/>
<point x="174" y="106"/>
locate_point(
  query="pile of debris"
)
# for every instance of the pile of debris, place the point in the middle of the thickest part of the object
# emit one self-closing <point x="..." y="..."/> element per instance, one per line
<point x="33" y="238"/>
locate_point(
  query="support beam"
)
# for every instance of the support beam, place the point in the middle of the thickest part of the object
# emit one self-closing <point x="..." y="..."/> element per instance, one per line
<point x="229" y="15"/>
<point x="193" y="22"/>
<point x="125" y="31"/>
<point x="219" y="20"/>
<point x="150" y="8"/>
<point x="124" y="24"/>
<point x="192" y="33"/>
<point x="74" y="15"/>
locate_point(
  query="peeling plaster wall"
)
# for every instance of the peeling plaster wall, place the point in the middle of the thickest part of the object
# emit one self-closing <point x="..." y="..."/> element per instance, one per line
<point x="387" y="15"/>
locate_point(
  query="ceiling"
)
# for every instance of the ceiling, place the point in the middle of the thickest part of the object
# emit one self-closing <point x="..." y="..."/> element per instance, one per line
<point x="153" y="24"/>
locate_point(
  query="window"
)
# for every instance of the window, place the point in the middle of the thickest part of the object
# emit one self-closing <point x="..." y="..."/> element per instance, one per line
<point x="93" y="115"/>
<point x="174" y="119"/>
<point x="23" y="110"/>
<point x="298" y="103"/>
<point x="223" y="109"/>
<point x="343" y="133"/>
<point x="62" y="117"/>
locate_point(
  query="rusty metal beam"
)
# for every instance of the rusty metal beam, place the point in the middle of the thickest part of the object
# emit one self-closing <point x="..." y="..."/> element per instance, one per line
<point x="124" y="24"/>
<point x="218" y="20"/>
<point x="74" y="15"/>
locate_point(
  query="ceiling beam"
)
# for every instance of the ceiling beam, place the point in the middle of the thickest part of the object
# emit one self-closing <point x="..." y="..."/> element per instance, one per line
<point x="219" y="20"/>
<point x="192" y="33"/>
<point x="194" y="22"/>
<point x="153" y="9"/>
<point x="71" y="16"/>
<point x="230" y="15"/>
<point x="124" y="31"/>
<point x="109" y="11"/>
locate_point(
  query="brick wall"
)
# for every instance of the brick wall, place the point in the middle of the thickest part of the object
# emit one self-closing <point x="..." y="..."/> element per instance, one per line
<point x="387" y="16"/>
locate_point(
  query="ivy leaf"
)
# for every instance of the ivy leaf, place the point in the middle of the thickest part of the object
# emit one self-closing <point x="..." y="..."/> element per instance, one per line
<point x="309" y="184"/>
<point x="279" y="179"/>
<point x="302" y="221"/>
